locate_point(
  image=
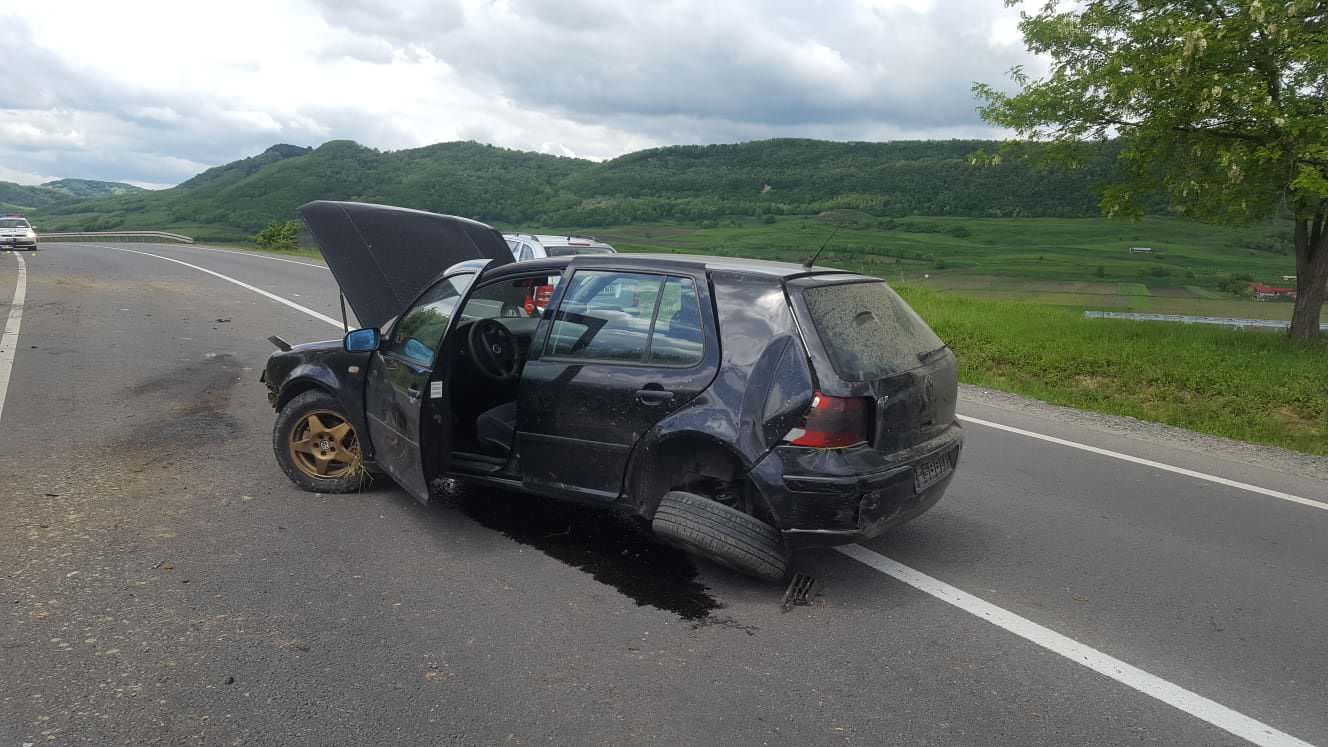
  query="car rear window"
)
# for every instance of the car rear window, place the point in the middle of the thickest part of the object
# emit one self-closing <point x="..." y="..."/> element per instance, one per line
<point x="567" y="251"/>
<point x="868" y="330"/>
<point x="13" y="223"/>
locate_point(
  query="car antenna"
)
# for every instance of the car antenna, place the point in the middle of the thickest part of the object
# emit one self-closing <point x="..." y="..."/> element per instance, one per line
<point x="344" y="324"/>
<point x="812" y="259"/>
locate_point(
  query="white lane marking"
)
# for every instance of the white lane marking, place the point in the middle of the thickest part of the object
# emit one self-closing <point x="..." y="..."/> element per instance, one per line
<point x="1149" y="684"/>
<point x="1150" y="463"/>
<point x="230" y="279"/>
<point x="247" y="254"/>
<point x="9" y="338"/>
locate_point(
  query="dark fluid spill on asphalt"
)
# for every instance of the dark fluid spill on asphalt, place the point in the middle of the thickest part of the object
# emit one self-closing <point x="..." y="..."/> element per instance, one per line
<point x="608" y="546"/>
<point x="187" y="405"/>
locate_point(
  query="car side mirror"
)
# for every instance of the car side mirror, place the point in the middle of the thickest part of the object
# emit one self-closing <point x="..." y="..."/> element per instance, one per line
<point x="361" y="341"/>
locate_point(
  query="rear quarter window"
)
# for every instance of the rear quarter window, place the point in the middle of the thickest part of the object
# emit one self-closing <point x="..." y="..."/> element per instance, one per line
<point x="868" y="330"/>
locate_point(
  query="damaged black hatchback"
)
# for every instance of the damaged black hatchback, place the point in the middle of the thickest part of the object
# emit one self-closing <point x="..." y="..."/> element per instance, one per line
<point x="741" y="409"/>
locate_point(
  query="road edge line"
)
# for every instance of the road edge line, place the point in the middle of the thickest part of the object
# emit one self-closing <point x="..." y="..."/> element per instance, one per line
<point x="1210" y="711"/>
<point x="247" y="254"/>
<point x="229" y="279"/>
<point x="9" y="338"/>
<point x="1150" y="463"/>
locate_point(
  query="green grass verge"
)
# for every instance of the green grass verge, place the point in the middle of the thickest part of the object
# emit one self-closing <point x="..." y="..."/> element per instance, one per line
<point x="1252" y="386"/>
<point x="1134" y="289"/>
<point x="306" y="252"/>
<point x="1205" y="293"/>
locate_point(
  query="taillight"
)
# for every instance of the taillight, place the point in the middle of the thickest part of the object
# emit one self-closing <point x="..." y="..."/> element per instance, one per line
<point x="832" y="422"/>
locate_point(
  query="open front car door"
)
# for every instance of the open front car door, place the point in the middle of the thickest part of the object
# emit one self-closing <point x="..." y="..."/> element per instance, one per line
<point x="389" y="262"/>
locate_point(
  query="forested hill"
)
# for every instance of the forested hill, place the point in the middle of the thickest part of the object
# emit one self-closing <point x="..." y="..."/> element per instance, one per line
<point x="21" y="197"/>
<point x="673" y="183"/>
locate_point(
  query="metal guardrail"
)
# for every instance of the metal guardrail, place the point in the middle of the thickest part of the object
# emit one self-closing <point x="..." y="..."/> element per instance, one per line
<point x="1220" y="320"/>
<point x="108" y="235"/>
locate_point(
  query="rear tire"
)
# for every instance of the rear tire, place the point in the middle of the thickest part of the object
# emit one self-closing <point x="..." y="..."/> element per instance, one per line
<point x="725" y="535"/>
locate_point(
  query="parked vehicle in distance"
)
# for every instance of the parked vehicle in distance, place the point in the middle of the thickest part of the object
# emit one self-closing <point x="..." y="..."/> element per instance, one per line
<point x="17" y="233"/>
<point x="740" y="409"/>
<point x="526" y="246"/>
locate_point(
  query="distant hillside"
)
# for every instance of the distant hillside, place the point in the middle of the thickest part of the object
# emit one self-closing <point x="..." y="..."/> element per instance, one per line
<point x="673" y="183"/>
<point x="20" y="197"/>
<point x="90" y="188"/>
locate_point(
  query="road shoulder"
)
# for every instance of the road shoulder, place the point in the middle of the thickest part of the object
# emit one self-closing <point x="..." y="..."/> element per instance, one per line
<point x="1224" y="457"/>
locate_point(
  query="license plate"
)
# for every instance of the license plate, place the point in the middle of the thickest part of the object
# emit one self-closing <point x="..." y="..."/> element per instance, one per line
<point x="928" y="473"/>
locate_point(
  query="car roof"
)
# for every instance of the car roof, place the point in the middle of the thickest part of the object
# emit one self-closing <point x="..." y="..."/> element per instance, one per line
<point x="740" y="265"/>
<point x="546" y="239"/>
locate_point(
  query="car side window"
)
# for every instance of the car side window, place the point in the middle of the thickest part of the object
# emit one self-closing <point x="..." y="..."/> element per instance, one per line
<point x="419" y="332"/>
<point x="524" y="253"/>
<point x="605" y="316"/>
<point x="678" y="340"/>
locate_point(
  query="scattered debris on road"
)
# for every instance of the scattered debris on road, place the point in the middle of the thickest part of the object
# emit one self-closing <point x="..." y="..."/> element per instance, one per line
<point x="799" y="592"/>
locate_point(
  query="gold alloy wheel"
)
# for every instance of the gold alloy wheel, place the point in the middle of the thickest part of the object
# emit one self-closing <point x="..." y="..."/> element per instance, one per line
<point x="323" y="445"/>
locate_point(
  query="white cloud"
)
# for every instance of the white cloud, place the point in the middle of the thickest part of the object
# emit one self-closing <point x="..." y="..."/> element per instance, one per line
<point x="155" y="90"/>
<point x="23" y="177"/>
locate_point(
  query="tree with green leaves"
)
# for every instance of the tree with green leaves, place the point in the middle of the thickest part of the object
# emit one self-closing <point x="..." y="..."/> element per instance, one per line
<point x="284" y="235"/>
<point x="1221" y="106"/>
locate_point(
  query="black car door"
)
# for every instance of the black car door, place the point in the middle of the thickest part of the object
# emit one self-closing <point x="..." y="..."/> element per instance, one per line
<point x="398" y="384"/>
<point x="624" y="349"/>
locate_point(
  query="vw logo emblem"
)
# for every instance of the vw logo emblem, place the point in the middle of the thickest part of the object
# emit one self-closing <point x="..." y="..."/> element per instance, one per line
<point x="497" y="349"/>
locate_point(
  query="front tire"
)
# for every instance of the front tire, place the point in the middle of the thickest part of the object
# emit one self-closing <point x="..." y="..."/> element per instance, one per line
<point x="725" y="535"/>
<point x="316" y="445"/>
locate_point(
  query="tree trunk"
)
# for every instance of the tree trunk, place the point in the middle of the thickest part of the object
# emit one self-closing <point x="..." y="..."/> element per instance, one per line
<point x="1311" y="276"/>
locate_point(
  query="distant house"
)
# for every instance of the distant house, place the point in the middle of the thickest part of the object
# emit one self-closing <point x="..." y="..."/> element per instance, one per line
<point x="1271" y="292"/>
<point x="1141" y="250"/>
<point x="1289" y="278"/>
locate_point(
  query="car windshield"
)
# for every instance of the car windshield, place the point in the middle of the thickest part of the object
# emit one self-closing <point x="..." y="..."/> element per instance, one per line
<point x="13" y="223"/>
<point x="567" y="251"/>
<point x="868" y="330"/>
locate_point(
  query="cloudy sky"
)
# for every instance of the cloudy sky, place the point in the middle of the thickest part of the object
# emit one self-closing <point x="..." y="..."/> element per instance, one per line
<point x="153" y="92"/>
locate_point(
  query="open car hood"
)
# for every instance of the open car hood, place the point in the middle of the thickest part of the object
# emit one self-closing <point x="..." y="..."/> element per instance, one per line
<point x="383" y="257"/>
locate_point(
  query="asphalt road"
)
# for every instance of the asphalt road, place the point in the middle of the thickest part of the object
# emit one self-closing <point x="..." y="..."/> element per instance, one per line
<point x="161" y="582"/>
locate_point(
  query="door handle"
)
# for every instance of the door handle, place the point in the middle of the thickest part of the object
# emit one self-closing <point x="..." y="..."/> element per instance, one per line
<point x="653" y="394"/>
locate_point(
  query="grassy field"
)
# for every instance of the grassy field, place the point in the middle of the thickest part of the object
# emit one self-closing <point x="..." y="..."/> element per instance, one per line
<point x="1249" y="385"/>
<point x="1082" y="249"/>
<point x="1080" y="263"/>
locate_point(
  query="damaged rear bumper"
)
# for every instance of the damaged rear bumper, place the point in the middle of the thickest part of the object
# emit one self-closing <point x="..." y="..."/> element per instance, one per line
<point x="839" y="496"/>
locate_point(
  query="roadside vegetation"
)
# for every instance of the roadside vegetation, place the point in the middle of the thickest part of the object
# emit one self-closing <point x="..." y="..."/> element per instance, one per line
<point x="1092" y="251"/>
<point x="1253" y="386"/>
<point x="1217" y="106"/>
<point x="283" y="236"/>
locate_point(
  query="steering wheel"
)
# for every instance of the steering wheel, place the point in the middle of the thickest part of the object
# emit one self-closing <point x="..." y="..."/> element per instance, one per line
<point x="493" y="349"/>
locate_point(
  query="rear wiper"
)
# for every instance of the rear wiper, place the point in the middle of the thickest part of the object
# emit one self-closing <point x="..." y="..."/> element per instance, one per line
<point x="931" y="354"/>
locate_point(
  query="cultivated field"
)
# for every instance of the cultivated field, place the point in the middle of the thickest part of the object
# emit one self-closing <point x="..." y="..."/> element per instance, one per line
<point x="1083" y="263"/>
